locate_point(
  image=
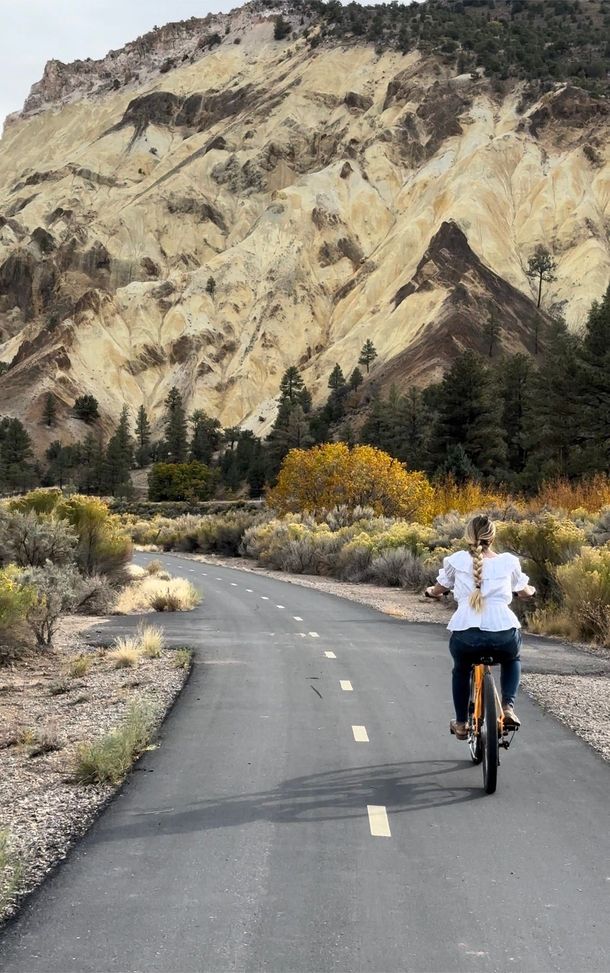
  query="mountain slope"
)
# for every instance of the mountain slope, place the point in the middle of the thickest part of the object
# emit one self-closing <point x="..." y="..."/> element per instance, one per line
<point x="332" y="193"/>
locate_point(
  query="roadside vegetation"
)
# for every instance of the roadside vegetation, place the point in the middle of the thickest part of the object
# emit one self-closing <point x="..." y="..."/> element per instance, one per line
<point x="313" y="524"/>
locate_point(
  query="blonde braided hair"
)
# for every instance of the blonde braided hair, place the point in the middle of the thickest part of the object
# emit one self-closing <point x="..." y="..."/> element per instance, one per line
<point x="480" y="533"/>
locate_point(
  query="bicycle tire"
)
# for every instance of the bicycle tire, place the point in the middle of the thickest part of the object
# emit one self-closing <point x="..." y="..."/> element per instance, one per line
<point x="474" y="740"/>
<point x="489" y="736"/>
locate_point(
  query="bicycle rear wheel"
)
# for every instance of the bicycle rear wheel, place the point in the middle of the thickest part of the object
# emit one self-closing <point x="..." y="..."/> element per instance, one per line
<point x="489" y="736"/>
<point x="474" y="740"/>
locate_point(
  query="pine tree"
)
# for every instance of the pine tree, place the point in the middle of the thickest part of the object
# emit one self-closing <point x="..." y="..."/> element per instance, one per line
<point x="231" y="435"/>
<point x="336" y="380"/>
<point x="335" y="405"/>
<point x="175" y="440"/>
<point x="367" y="355"/>
<point x="49" y="412"/>
<point x="291" y="385"/>
<point x="256" y="474"/>
<point x="119" y="458"/>
<point x="90" y="472"/>
<point x="356" y="379"/>
<point x="305" y="400"/>
<point x="594" y="384"/>
<point x="541" y="266"/>
<point x="86" y="409"/>
<point x="514" y="378"/>
<point x="16" y="470"/>
<point x="143" y="448"/>
<point x="491" y="331"/>
<point x="555" y="432"/>
<point x="281" y="28"/>
<point x="205" y="437"/>
<point x="413" y="419"/>
<point x="469" y="415"/>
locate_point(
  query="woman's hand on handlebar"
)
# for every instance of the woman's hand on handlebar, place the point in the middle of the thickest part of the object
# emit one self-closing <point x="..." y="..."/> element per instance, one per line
<point x="525" y="593"/>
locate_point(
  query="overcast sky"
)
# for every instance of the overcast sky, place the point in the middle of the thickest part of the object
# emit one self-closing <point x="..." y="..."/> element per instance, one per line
<point x="34" y="31"/>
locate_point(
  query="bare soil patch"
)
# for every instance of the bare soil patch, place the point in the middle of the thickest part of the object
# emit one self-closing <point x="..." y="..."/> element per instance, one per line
<point x="581" y="702"/>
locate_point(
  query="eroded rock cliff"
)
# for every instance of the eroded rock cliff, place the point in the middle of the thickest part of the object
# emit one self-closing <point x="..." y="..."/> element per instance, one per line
<point x="332" y="193"/>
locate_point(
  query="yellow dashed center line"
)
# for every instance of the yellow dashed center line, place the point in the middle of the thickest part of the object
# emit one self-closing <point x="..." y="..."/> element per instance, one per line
<point x="378" y="821"/>
<point x="360" y="734"/>
<point x="346" y="685"/>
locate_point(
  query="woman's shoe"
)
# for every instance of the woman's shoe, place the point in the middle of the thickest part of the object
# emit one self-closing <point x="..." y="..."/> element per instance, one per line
<point x="459" y="730"/>
<point x="510" y="717"/>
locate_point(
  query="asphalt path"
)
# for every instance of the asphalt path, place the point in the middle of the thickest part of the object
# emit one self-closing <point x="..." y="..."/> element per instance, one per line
<point x="307" y="810"/>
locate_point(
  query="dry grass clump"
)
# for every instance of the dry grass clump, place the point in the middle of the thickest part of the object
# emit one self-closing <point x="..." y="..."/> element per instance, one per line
<point x="129" y="649"/>
<point x="47" y="740"/>
<point x="126" y="652"/>
<point x="175" y="595"/>
<point x="182" y="658"/>
<point x="150" y="641"/>
<point x="11" y="870"/>
<point x="158" y="592"/>
<point x="154" y="567"/>
<point x="134" y="572"/>
<point x="79" y="666"/>
<point x="106" y="761"/>
<point x="59" y="687"/>
<point x="551" y="621"/>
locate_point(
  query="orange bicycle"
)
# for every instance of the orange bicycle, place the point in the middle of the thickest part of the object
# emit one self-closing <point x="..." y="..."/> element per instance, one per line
<point x="487" y="731"/>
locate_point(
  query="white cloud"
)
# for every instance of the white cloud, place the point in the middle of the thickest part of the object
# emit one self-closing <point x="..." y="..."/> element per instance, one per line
<point x="34" y="31"/>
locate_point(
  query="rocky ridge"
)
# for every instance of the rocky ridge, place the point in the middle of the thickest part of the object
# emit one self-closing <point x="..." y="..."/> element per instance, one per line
<point x="332" y="193"/>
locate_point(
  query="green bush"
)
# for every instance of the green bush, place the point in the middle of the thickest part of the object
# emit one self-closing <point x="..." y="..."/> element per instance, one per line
<point x="181" y="481"/>
<point x="30" y="539"/>
<point x="147" y="510"/>
<point x="399" y="567"/>
<point x="58" y="590"/>
<point x="585" y="588"/>
<point x="16" y="600"/>
<point x="102" y="546"/>
<point x="544" y="544"/>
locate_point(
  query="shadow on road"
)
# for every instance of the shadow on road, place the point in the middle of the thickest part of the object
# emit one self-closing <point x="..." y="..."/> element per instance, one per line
<point x="413" y="786"/>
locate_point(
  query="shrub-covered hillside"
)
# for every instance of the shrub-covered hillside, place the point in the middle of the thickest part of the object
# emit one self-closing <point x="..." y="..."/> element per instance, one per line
<point x="554" y="40"/>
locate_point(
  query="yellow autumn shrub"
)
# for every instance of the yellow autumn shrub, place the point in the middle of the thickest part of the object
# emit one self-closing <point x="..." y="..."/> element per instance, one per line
<point x="465" y="498"/>
<point x="333" y="475"/>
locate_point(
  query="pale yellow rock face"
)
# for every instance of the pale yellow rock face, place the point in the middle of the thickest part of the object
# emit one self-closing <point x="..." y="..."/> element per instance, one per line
<point x="322" y="212"/>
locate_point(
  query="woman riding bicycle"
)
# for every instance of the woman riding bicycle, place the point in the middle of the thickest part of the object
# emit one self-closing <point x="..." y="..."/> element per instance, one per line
<point x="483" y="583"/>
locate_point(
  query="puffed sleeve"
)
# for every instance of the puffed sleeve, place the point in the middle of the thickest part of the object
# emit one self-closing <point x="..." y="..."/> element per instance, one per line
<point x="446" y="576"/>
<point x="518" y="579"/>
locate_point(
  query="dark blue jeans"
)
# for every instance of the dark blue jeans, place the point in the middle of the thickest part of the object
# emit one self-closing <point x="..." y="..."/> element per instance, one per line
<point x="467" y="647"/>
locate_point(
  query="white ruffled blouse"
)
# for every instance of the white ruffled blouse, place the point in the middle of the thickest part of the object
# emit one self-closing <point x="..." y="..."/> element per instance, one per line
<point x="502" y="575"/>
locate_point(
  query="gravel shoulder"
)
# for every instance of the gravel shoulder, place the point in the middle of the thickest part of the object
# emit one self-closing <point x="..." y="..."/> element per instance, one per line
<point x="580" y="701"/>
<point x="43" y="810"/>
